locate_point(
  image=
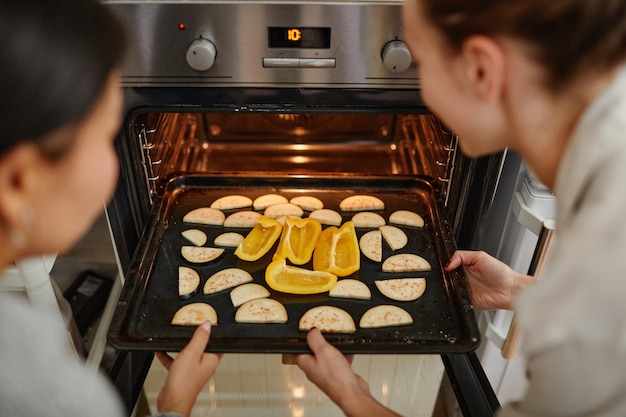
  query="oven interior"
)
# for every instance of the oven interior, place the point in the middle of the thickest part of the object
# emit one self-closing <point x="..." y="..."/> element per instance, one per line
<point x="172" y="143"/>
<point x="191" y="158"/>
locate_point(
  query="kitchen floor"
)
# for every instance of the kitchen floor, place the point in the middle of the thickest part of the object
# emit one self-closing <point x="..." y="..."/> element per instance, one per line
<point x="260" y="385"/>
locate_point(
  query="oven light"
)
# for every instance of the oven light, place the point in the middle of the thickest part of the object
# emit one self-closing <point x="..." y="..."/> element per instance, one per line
<point x="300" y="159"/>
<point x="182" y="26"/>
<point x="299" y="131"/>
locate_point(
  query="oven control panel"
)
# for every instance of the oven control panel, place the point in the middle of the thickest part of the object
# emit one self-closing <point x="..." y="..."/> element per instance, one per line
<point x="280" y="44"/>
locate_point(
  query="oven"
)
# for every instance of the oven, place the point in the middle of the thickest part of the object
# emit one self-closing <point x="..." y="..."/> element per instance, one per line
<point x="283" y="96"/>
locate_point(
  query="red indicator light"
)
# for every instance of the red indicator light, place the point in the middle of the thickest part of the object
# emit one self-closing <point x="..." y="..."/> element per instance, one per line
<point x="182" y="26"/>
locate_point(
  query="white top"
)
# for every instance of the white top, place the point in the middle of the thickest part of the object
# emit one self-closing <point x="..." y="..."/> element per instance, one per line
<point x="574" y="317"/>
<point x="39" y="374"/>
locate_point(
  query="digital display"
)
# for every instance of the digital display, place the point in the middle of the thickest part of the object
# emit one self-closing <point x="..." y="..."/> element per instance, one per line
<point x="298" y="37"/>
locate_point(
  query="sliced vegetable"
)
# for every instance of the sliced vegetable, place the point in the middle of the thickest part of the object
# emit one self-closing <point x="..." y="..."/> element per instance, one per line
<point x="295" y="280"/>
<point x="260" y="239"/>
<point x="298" y="240"/>
<point x="337" y="251"/>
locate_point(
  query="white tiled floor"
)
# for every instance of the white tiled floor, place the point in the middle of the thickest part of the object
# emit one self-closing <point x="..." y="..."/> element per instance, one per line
<point x="261" y="386"/>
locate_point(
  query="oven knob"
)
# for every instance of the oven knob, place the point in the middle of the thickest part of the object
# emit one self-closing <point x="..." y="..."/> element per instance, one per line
<point x="201" y="54"/>
<point x="396" y="56"/>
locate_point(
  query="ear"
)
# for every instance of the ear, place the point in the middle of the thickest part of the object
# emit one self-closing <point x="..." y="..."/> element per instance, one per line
<point x="485" y="67"/>
<point x="19" y="168"/>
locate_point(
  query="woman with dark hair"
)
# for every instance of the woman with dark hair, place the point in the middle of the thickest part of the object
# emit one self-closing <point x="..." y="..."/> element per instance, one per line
<point x="546" y="79"/>
<point x="60" y="110"/>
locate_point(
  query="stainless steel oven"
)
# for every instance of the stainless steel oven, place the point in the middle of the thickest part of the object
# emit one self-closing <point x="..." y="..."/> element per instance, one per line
<point x="282" y="90"/>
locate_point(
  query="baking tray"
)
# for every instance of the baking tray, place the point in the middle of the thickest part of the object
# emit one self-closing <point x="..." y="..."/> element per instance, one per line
<point x="444" y="319"/>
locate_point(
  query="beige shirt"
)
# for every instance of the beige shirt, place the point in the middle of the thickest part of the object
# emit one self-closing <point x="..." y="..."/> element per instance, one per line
<point x="574" y="317"/>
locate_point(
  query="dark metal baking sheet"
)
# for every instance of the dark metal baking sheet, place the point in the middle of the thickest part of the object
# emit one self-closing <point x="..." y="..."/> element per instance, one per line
<point x="444" y="320"/>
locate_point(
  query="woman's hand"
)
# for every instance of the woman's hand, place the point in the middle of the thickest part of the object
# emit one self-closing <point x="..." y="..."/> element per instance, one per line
<point x="332" y="372"/>
<point x="188" y="373"/>
<point x="492" y="284"/>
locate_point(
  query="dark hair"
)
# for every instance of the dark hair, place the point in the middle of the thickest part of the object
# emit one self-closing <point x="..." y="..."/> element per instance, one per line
<point x="566" y="37"/>
<point x="55" y="59"/>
